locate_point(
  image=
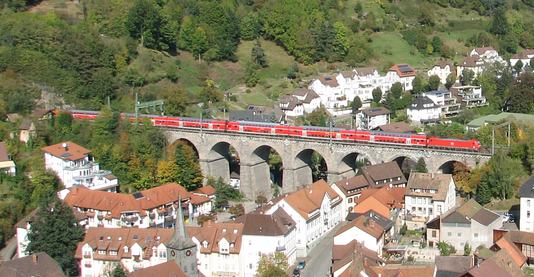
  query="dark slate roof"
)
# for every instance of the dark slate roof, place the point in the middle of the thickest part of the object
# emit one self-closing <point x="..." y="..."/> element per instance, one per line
<point x="385" y="223"/>
<point x="452" y="266"/>
<point x="433" y="224"/>
<point x="39" y="264"/>
<point x="258" y="224"/>
<point x="485" y="217"/>
<point x="26" y="124"/>
<point x="384" y="171"/>
<point x="527" y="188"/>
<point x="375" y="111"/>
<point x="422" y="103"/>
<point x="247" y="115"/>
<point x="471" y="210"/>
<point x="456" y="217"/>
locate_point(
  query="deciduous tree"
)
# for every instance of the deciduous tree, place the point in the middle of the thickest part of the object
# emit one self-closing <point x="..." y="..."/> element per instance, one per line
<point x="356" y="104"/>
<point x="434" y="82"/>
<point x="420" y="166"/>
<point x="273" y="265"/>
<point x="377" y="95"/>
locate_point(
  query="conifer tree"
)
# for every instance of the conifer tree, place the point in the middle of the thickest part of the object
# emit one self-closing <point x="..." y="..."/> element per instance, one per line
<point x="258" y="56"/>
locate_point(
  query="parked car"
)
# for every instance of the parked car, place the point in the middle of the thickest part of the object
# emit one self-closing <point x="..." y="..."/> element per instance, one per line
<point x="301" y="265"/>
<point x="296" y="272"/>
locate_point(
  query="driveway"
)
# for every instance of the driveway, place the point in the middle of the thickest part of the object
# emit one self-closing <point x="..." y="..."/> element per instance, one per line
<point x="319" y="259"/>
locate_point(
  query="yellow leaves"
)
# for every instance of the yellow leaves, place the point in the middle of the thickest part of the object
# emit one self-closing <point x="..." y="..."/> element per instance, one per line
<point x="166" y="171"/>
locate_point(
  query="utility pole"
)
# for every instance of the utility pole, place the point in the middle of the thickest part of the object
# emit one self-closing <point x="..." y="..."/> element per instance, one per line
<point x="201" y="114"/>
<point x="147" y="105"/>
<point x="508" y="135"/>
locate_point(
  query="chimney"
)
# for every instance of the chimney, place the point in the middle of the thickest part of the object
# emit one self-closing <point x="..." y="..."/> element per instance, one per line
<point x="65" y="146"/>
<point x="34" y="258"/>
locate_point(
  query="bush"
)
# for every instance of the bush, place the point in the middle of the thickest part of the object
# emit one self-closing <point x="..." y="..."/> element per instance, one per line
<point x="446" y="249"/>
<point x="261" y="200"/>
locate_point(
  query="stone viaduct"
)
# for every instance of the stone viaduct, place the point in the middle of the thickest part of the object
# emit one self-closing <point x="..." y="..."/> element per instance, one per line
<point x="253" y="150"/>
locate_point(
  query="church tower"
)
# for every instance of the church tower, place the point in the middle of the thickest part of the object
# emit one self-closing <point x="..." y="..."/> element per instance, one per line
<point x="181" y="248"/>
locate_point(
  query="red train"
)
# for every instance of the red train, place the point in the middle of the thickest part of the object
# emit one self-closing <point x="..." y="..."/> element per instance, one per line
<point x="417" y="140"/>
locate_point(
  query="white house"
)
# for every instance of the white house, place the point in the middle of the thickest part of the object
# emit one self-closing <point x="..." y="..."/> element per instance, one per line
<point x="330" y="92"/>
<point x="291" y="106"/>
<point x="6" y="164"/>
<point x="349" y="189"/>
<point x="423" y="110"/>
<point x="469" y="223"/>
<point x="316" y="209"/>
<point x="470" y="96"/>
<point x="104" y="248"/>
<point x="264" y="235"/>
<point x="364" y="229"/>
<point x="74" y="166"/>
<point x="487" y="54"/>
<point x="309" y="99"/>
<point x="402" y="73"/>
<point x="526" y="194"/>
<point x="474" y="63"/>
<point x="525" y="57"/>
<point x="429" y="195"/>
<point x="218" y="248"/>
<point x="442" y="69"/>
<point x="446" y="101"/>
<point x="371" y="118"/>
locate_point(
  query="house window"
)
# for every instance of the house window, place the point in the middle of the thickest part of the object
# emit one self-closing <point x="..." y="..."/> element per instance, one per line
<point x="434" y="233"/>
<point x="528" y="203"/>
<point x="459" y="234"/>
<point x="350" y="200"/>
<point x="528" y="214"/>
<point x="475" y="235"/>
<point x="163" y="254"/>
<point x="449" y="234"/>
<point x="102" y="252"/>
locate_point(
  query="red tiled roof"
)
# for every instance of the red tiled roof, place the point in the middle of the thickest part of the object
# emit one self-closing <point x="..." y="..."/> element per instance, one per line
<point x="366" y="224"/>
<point x="403" y="70"/>
<point x="198" y="199"/>
<point x="213" y="233"/>
<point x="72" y="152"/>
<point x="328" y="81"/>
<point x="167" y="269"/>
<point x="309" y="198"/>
<point x="207" y="190"/>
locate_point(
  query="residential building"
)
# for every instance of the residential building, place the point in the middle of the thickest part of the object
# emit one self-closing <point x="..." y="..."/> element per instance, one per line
<point x="469" y="96"/>
<point x="6" y="164"/>
<point x="264" y="235"/>
<point x="316" y="209"/>
<point x="524" y="241"/>
<point x="469" y="223"/>
<point x="384" y="174"/>
<point x="166" y="269"/>
<point x="502" y="259"/>
<point x="235" y="180"/>
<point x="367" y="230"/>
<point x="473" y="63"/>
<point x="330" y="92"/>
<point x="522" y="118"/>
<point x="423" y="110"/>
<point x="134" y="249"/>
<point x="403" y="270"/>
<point x="446" y="101"/>
<point x="155" y="207"/>
<point x="442" y="69"/>
<point x="219" y="248"/>
<point x="74" y="166"/>
<point x="38" y="264"/>
<point x="344" y="255"/>
<point x="428" y="195"/>
<point x="386" y="201"/>
<point x="309" y="99"/>
<point x="349" y="189"/>
<point x="291" y="106"/>
<point x="432" y="232"/>
<point x="526" y="204"/>
<point x="487" y="54"/>
<point x="524" y="56"/>
<point x="27" y="130"/>
<point x="371" y="118"/>
<point x="42" y="114"/>
<point x="402" y="73"/>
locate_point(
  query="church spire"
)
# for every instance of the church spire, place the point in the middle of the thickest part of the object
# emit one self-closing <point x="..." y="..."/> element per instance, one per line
<point x="179" y="225"/>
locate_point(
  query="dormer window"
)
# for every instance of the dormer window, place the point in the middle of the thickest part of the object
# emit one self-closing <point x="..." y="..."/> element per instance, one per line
<point x="205" y="244"/>
<point x="125" y="249"/>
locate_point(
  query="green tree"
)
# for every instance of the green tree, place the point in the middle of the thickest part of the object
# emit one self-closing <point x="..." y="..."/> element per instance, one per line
<point x="521" y="94"/>
<point x="467" y="76"/>
<point x="251" y="77"/>
<point x="188" y="174"/>
<point x="377" y="95"/>
<point x="55" y="231"/>
<point x="187" y="31"/>
<point x="446" y="249"/>
<point x="356" y="104"/>
<point x="117" y="271"/>
<point x="293" y="71"/>
<point x="437" y="44"/>
<point x="451" y="79"/>
<point x="483" y="193"/>
<point x="250" y="27"/>
<point x="257" y="55"/>
<point x="434" y="82"/>
<point x="210" y="94"/>
<point x="273" y="265"/>
<point x="499" y="24"/>
<point x="418" y="85"/>
<point x="199" y="42"/>
<point x="145" y="21"/>
<point x="518" y="67"/>
<point x="319" y="117"/>
<point x="340" y="43"/>
<point x="45" y="186"/>
<point x="467" y="249"/>
<point x="420" y="166"/>
<point x="503" y="176"/>
<point x="396" y="90"/>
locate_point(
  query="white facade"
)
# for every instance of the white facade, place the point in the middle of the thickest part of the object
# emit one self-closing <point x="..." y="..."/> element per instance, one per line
<point x="442" y="71"/>
<point x="487" y="54"/>
<point x="332" y="97"/>
<point x="219" y="264"/>
<point x="370" y="122"/>
<point x="254" y="246"/>
<point x="525" y="57"/>
<point x="526" y="217"/>
<point x="471" y="96"/>
<point x="355" y="233"/>
<point x="419" y="112"/>
<point x="80" y="172"/>
<point x="393" y="77"/>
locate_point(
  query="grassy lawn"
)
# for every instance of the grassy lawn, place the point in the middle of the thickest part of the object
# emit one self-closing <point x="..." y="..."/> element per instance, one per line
<point x="391" y="48"/>
<point x="502" y="205"/>
<point x="528" y="271"/>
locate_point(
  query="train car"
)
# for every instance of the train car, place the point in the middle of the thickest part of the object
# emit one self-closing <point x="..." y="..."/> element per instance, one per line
<point x="355" y="135"/>
<point x="318" y="132"/>
<point x="257" y="127"/>
<point x="385" y="137"/>
<point x="448" y="143"/>
<point x="232" y="126"/>
<point x="219" y="125"/>
<point x="418" y="139"/>
<point x="84" y="115"/>
<point x="285" y="130"/>
<point x="166" y="121"/>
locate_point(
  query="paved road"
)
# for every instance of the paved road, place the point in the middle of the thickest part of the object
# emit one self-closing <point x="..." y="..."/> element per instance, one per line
<point x="319" y="259"/>
<point x="9" y="250"/>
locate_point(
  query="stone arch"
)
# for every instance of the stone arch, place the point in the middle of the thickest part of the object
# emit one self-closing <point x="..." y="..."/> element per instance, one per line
<point x="306" y="167"/>
<point x="256" y="170"/>
<point x="188" y="143"/>
<point x="406" y="163"/>
<point x="221" y="160"/>
<point x="351" y="162"/>
<point x="448" y="166"/>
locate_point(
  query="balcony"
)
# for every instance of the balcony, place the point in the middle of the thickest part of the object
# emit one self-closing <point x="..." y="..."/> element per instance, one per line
<point x="130" y="218"/>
